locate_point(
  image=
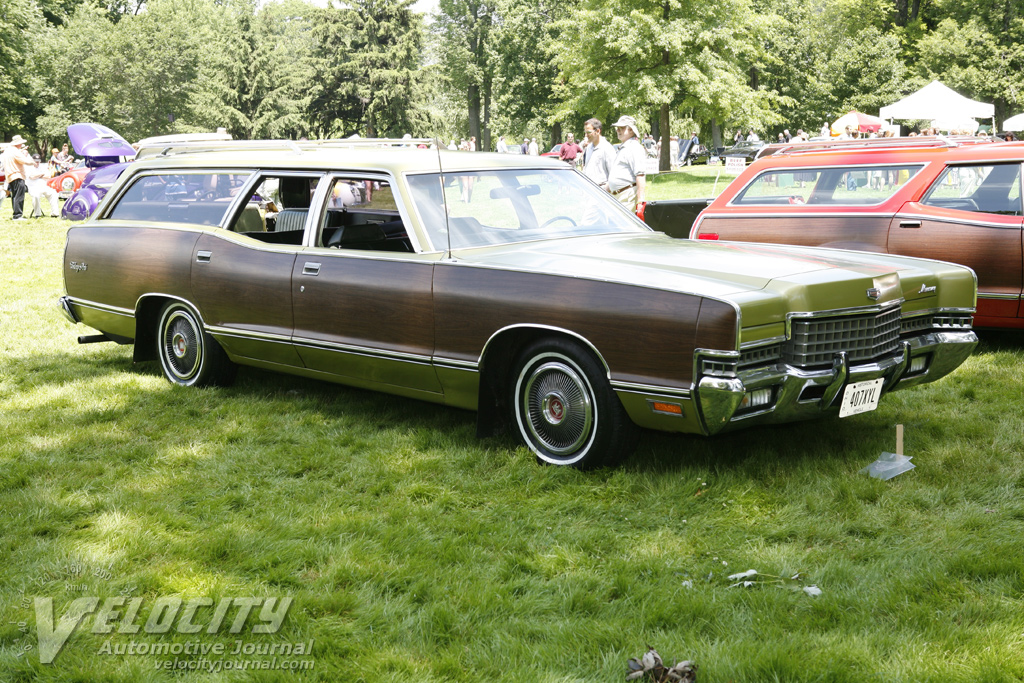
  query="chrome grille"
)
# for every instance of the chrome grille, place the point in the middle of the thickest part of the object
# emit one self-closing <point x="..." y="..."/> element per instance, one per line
<point x="815" y="341"/>
<point x="760" y="355"/>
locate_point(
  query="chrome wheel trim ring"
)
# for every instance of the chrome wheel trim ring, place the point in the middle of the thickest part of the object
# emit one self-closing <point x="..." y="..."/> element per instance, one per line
<point x="556" y="409"/>
<point x="182" y="345"/>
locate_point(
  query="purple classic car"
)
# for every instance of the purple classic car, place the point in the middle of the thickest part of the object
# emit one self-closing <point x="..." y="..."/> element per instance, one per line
<point x="101" y="148"/>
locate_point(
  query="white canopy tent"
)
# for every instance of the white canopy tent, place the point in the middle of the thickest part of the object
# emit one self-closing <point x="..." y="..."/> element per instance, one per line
<point x="1014" y="123"/>
<point x="936" y="101"/>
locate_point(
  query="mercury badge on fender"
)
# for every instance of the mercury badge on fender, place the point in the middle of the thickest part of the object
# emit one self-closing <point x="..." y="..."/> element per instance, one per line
<point x="509" y="285"/>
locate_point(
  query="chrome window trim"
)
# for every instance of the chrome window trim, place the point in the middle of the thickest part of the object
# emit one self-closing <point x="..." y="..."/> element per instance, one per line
<point x="804" y="169"/>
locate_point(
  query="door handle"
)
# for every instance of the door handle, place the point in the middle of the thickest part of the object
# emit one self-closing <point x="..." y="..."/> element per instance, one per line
<point x="910" y="224"/>
<point x="311" y="269"/>
<point x="203" y="256"/>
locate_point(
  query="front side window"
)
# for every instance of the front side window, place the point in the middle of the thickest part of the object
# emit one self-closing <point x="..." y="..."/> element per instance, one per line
<point x="506" y="206"/>
<point x="843" y="186"/>
<point x="196" y="198"/>
<point x="993" y="188"/>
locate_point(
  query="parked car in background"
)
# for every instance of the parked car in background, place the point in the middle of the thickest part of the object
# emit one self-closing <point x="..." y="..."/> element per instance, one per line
<point x="931" y="198"/>
<point x="553" y="152"/>
<point x="506" y="284"/>
<point x="94" y="186"/>
<point x="747" y="149"/>
<point x="98" y="146"/>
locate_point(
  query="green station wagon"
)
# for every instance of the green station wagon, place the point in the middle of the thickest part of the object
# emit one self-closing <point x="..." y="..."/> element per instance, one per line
<point x="508" y="285"/>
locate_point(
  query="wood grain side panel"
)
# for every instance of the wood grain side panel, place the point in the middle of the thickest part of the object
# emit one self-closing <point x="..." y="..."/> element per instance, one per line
<point x="122" y="264"/>
<point x="994" y="253"/>
<point x="243" y="287"/>
<point x="863" y="233"/>
<point x="716" y="328"/>
<point x="645" y="335"/>
<point x="365" y="302"/>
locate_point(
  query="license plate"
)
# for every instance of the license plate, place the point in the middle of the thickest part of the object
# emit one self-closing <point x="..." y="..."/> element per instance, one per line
<point x="861" y="397"/>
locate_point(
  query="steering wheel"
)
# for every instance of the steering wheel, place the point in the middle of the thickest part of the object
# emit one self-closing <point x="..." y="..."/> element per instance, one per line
<point x="557" y="218"/>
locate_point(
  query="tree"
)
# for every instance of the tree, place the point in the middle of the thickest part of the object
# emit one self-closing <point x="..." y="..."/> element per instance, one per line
<point x="631" y="55"/>
<point x="20" y="25"/>
<point x="463" y="28"/>
<point x="528" y="90"/>
<point x="366" y="64"/>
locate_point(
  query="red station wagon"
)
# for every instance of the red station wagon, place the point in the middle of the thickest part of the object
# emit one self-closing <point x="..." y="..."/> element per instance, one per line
<point x="927" y="197"/>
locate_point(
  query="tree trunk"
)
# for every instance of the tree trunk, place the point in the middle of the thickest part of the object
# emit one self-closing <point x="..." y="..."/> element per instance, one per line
<point x="655" y="125"/>
<point x="556" y="133"/>
<point x="716" y="134"/>
<point x="485" y="139"/>
<point x="473" y="96"/>
<point x="665" y="159"/>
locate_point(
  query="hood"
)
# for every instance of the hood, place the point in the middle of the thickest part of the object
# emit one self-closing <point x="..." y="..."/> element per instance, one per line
<point x="92" y="140"/>
<point x="766" y="281"/>
<point x="718" y="269"/>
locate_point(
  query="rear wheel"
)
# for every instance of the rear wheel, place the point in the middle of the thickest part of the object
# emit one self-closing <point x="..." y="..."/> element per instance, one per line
<point x="188" y="355"/>
<point x="565" y="408"/>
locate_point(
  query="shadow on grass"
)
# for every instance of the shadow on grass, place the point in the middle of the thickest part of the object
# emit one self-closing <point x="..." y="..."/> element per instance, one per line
<point x="263" y="401"/>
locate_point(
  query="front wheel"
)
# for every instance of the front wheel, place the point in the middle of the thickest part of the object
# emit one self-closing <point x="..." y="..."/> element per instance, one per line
<point x="188" y="355"/>
<point x="565" y="408"/>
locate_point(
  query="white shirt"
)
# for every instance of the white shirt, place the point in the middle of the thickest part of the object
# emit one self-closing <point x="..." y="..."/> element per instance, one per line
<point x="599" y="160"/>
<point x="534" y="149"/>
<point x="502" y="147"/>
<point x="630" y="162"/>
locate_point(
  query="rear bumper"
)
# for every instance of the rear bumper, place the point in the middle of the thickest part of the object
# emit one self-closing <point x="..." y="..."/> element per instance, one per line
<point x="797" y="394"/>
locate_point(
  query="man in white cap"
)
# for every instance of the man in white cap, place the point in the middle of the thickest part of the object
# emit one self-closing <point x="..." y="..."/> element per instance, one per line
<point x="626" y="181"/>
<point x="15" y="159"/>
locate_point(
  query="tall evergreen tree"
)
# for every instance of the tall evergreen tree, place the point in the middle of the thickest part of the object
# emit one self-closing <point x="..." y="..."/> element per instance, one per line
<point x="366" y="78"/>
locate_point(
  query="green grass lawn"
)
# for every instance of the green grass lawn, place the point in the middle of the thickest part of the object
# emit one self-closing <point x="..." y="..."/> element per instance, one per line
<point x="691" y="182"/>
<point x="415" y="552"/>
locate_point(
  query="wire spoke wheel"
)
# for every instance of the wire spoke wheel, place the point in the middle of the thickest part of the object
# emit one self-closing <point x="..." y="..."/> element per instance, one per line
<point x="181" y="345"/>
<point x="560" y="407"/>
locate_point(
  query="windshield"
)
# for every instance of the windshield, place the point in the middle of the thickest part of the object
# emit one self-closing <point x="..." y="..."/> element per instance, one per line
<point x="515" y="205"/>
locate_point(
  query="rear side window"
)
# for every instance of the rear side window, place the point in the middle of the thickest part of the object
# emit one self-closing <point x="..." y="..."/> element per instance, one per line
<point x="993" y="188"/>
<point x="843" y="186"/>
<point x="197" y="198"/>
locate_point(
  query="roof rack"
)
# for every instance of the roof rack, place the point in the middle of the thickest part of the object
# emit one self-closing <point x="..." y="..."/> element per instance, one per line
<point x="920" y="142"/>
<point x="297" y="146"/>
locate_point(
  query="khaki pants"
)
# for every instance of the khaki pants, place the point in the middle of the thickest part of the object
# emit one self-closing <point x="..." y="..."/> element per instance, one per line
<point x="627" y="198"/>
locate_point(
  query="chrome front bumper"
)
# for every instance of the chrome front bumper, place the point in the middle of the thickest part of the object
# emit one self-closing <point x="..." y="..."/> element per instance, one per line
<point x="798" y="394"/>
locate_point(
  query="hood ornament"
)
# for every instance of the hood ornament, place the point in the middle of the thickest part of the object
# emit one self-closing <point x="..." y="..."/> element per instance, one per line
<point x="873" y="293"/>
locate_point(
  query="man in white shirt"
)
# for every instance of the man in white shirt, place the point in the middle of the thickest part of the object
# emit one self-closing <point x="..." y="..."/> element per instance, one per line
<point x="534" y="149"/>
<point x="35" y="182"/>
<point x="502" y="147"/>
<point x="626" y="180"/>
<point x="599" y="155"/>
